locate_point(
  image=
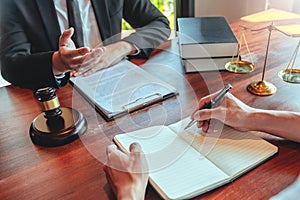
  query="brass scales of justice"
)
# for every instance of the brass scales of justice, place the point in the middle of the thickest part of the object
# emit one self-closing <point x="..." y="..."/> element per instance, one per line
<point x="290" y="74"/>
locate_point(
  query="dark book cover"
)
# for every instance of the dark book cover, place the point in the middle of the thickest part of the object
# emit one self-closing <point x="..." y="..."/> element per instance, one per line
<point x="206" y="37"/>
<point x="205" y="30"/>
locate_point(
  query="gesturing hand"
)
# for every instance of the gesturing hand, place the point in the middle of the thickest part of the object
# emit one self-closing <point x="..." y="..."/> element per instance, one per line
<point x="68" y="58"/>
<point x="113" y="53"/>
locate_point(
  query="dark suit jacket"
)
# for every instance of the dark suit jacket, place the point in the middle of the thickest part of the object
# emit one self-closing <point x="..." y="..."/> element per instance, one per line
<point x="30" y="33"/>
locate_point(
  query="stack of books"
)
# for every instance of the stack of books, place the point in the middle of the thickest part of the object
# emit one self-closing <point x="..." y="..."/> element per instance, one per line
<point x="206" y="43"/>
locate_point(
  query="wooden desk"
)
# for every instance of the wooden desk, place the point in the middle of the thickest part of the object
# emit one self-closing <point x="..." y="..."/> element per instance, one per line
<point x="74" y="171"/>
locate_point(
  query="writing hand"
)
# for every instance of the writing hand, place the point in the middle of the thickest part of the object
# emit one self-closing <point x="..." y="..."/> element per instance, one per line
<point x="231" y="111"/>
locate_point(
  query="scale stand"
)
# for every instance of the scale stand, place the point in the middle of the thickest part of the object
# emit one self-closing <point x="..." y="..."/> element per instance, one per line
<point x="262" y="87"/>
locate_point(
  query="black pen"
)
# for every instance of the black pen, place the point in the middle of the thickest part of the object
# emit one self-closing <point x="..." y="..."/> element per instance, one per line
<point x="212" y="102"/>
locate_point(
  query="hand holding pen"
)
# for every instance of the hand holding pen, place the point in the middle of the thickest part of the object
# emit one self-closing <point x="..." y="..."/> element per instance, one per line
<point x="212" y="102"/>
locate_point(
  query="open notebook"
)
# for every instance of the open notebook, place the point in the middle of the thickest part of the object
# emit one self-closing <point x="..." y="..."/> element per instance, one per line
<point x="122" y="89"/>
<point x="185" y="164"/>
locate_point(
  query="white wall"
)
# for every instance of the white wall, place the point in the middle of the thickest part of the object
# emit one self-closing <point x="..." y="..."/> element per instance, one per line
<point x="235" y="9"/>
<point x="287" y="5"/>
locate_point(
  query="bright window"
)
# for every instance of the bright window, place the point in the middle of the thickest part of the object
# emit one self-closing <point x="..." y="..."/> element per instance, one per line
<point x="165" y="6"/>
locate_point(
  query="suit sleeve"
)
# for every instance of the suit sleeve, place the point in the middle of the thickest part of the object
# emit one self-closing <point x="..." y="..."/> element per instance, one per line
<point x="152" y="27"/>
<point x="25" y="62"/>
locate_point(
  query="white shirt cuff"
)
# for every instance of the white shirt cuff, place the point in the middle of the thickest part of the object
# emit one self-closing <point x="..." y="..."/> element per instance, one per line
<point x="137" y="51"/>
<point x="60" y="76"/>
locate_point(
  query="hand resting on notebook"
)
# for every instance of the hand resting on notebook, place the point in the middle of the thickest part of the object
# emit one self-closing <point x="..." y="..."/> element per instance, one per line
<point x="127" y="173"/>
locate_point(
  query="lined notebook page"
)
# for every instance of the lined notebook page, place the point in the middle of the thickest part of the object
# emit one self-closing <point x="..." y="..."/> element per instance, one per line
<point x="176" y="169"/>
<point x="233" y="151"/>
<point x="189" y="176"/>
<point x="195" y="137"/>
<point x="237" y="152"/>
<point x="159" y="143"/>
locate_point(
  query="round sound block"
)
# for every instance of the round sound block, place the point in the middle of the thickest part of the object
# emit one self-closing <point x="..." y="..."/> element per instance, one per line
<point x="58" y="130"/>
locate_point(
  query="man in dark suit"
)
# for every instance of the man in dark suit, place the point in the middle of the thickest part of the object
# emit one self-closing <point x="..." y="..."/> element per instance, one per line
<point x="36" y="53"/>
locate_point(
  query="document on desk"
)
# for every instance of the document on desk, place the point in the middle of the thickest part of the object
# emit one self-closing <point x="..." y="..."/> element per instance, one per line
<point x="122" y="89"/>
<point x="183" y="164"/>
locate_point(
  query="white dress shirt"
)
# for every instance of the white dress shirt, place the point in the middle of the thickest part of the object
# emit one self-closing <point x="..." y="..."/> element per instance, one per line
<point x="91" y="35"/>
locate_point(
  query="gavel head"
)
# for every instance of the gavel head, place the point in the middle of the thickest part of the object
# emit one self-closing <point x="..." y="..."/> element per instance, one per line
<point x="49" y="102"/>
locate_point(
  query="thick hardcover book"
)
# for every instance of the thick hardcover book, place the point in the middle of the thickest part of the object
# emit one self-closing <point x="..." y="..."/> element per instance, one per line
<point x="122" y="89"/>
<point x="205" y="37"/>
<point x="185" y="163"/>
<point x="205" y="64"/>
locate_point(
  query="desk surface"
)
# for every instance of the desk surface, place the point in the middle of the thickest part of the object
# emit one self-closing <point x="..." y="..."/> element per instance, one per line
<point x="74" y="171"/>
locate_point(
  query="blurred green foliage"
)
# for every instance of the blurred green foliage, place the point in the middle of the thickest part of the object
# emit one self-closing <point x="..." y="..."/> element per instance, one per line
<point x="165" y="6"/>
